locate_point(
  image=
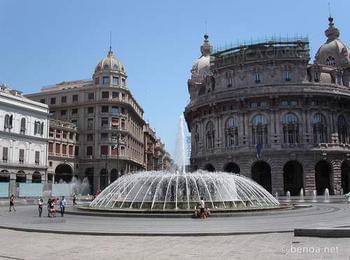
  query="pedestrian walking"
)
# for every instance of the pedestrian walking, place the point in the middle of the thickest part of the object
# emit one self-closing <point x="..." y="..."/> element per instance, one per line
<point x="40" y="206"/>
<point x="49" y="207"/>
<point x="74" y="199"/>
<point x="12" y="203"/>
<point x="63" y="203"/>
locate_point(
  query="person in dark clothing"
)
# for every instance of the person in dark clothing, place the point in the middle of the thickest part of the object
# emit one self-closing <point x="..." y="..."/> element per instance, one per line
<point x="74" y="199"/>
<point x="49" y="208"/>
<point x="12" y="203"/>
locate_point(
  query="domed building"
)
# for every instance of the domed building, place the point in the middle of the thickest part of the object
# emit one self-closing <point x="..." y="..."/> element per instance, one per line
<point x="110" y="137"/>
<point x="264" y="111"/>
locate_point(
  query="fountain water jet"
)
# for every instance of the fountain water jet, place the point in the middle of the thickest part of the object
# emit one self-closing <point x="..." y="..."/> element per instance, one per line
<point x="326" y="195"/>
<point x="180" y="153"/>
<point x="314" y="196"/>
<point x="301" y="195"/>
<point x="288" y="196"/>
<point x="162" y="191"/>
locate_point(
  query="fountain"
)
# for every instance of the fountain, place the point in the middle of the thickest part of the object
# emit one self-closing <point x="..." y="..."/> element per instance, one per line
<point x="288" y="196"/>
<point x="314" y="196"/>
<point x="79" y="187"/>
<point x="180" y="153"/>
<point x="171" y="191"/>
<point x="301" y="195"/>
<point x="178" y="191"/>
<point x="326" y="195"/>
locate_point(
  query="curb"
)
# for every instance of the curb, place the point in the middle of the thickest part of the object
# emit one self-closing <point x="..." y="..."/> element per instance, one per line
<point x="92" y="233"/>
<point x="341" y="233"/>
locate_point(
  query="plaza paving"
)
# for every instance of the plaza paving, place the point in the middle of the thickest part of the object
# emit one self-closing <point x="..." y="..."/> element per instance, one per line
<point x="326" y="215"/>
<point x="267" y="236"/>
<point x="23" y="245"/>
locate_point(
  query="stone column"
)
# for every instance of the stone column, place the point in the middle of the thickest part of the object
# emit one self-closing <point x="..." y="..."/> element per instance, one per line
<point x="309" y="177"/>
<point x="277" y="177"/>
<point x="29" y="178"/>
<point x="336" y="176"/>
<point x="44" y="178"/>
<point x="12" y="184"/>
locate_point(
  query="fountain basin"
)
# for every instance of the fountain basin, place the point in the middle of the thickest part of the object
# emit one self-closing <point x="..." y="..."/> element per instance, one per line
<point x="160" y="191"/>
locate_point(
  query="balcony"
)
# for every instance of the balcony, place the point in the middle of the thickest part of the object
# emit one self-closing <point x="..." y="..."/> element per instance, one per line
<point x="61" y="155"/>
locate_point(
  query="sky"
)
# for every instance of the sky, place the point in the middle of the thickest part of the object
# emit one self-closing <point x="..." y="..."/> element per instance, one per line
<point x="46" y="42"/>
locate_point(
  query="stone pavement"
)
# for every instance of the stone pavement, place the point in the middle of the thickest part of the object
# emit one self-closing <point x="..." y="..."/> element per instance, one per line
<point x="24" y="245"/>
<point x="29" y="245"/>
<point x="319" y="216"/>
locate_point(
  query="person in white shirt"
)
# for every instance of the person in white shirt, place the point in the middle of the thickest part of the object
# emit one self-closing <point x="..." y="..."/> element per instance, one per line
<point x="40" y="206"/>
<point x="63" y="203"/>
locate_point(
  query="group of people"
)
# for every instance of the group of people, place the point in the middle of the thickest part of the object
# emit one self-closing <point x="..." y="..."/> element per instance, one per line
<point x="51" y="209"/>
<point x="202" y="211"/>
<point x="51" y="202"/>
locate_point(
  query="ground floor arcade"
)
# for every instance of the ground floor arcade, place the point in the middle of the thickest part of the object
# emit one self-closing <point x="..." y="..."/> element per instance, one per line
<point x="13" y="177"/>
<point x="287" y="172"/>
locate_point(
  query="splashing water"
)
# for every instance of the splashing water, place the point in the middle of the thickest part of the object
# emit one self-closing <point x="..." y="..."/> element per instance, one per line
<point x="171" y="191"/>
<point x="180" y="152"/>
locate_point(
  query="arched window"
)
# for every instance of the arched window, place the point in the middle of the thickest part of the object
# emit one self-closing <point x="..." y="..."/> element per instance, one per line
<point x="8" y="121"/>
<point x="231" y="132"/>
<point x="23" y="125"/>
<point x="320" y="128"/>
<point x="259" y="129"/>
<point x="290" y="129"/>
<point x="210" y="135"/>
<point x="115" y="67"/>
<point x="105" y="67"/>
<point x="342" y="130"/>
<point x="330" y="61"/>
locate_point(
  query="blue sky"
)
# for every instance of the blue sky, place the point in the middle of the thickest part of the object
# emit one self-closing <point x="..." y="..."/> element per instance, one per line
<point x="46" y="42"/>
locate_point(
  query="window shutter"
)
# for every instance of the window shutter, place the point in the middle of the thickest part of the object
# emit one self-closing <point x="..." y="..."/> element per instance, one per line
<point x="4" y="153"/>
<point x="6" y="123"/>
<point x="21" y="155"/>
<point x="37" y="156"/>
<point x="10" y="122"/>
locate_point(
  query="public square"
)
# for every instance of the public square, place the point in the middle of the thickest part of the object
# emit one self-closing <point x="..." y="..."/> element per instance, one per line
<point x="174" y="129"/>
<point x="265" y="235"/>
<point x="23" y="245"/>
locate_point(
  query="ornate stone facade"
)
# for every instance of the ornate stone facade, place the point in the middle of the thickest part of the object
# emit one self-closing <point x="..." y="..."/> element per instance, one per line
<point x="23" y="139"/>
<point x="62" y="151"/>
<point x="262" y="110"/>
<point x="109" y="120"/>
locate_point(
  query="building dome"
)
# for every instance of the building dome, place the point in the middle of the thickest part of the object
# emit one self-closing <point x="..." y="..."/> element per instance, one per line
<point x="333" y="52"/>
<point x="201" y="66"/>
<point x="110" y="63"/>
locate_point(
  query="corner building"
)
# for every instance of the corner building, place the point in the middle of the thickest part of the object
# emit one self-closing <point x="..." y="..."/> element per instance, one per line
<point x="109" y="140"/>
<point x="264" y="111"/>
<point x="23" y="139"/>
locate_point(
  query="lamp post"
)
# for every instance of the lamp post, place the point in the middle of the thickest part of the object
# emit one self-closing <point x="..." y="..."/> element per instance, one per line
<point x="106" y="170"/>
<point x="116" y="147"/>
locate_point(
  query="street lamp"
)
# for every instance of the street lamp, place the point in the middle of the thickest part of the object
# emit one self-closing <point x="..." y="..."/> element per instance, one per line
<point x="116" y="139"/>
<point x="106" y="169"/>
